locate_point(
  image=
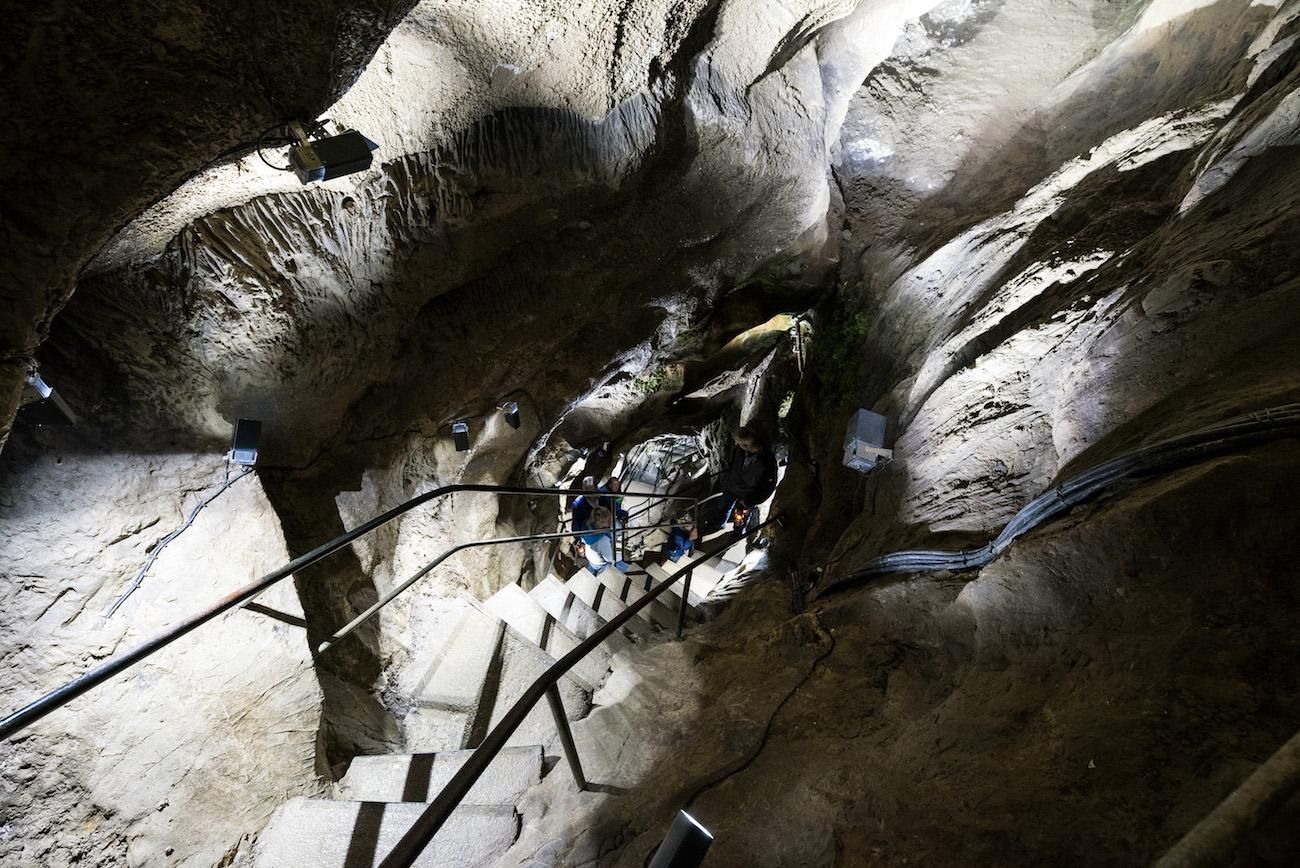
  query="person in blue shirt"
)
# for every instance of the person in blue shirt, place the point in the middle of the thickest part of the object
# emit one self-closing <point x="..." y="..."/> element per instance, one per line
<point x="599" y="543"/>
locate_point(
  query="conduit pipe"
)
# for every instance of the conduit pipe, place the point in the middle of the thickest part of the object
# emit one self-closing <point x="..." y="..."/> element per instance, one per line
<point x="1240" y="431"/>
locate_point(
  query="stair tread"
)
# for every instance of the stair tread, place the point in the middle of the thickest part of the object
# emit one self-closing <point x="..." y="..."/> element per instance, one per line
<point x="419" y="777"/>
<point x="699" y="588"/>
<point x="524" y="615"/>
<point x="631" y="591"/>
<point x="447" y="681"/>
<point x="570" y="610"/>
<point x="325" y="833"/>
<point x="593" y="592"/>
<point x="703" y="580"/>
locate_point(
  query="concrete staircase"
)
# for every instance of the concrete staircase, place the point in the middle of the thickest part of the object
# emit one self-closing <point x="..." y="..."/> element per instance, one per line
<point x="380" y="798"/>
<point x="470" y="662"/>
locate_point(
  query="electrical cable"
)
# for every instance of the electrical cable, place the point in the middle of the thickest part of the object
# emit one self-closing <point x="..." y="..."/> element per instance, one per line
<point x="157" y="549"/>
<point x="283" y="140"/>
<point x="1245" y="430"/>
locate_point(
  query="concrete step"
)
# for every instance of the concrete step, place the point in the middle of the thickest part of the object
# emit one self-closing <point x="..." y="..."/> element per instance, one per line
<point x="566" y="607"/>
<point x="631" y="590"/>
<point x="703" y="580"/>
<point x="699" y="589"/>
<point x="319" y="833"/>
<point x="670" y="598"/>
<point x="736" y="553"/>
<point x="593" y="592"/>
<point x="449" y="680"/>
<point x="523" y="615"/>
<point x="420" y="777"/>
<point x="524" y="663"/>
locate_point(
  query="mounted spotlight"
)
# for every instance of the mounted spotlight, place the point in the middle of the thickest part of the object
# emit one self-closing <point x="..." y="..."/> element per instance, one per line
<point x="40" y="405"/>
<point x="511" y="409"/>
<point x="243" y="445"/>
<point x="460" y="434"/>
<point x="323" y="157"/>
<point x="864" y="442"/>
<point x="685" y="846"/>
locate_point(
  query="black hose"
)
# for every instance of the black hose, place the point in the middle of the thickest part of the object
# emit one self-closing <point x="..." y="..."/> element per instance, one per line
<point x="1246" y="430"/>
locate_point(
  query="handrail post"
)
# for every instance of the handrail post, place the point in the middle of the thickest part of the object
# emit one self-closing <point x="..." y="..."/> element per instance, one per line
<point x="681" y="604"/>
<point x="566" y="736"/>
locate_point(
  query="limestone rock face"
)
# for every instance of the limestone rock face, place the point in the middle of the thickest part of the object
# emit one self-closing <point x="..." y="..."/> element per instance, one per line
<point x="525" y="229"/>
<point x="105" y="114"/>
<point x="1054" y="282"/>
<point x="1072" y="703"/>
<point x="1044" y="233"/>
<point x="174" y="761"/>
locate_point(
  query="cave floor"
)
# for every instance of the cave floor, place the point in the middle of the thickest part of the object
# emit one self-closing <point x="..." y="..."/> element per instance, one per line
<point x="1083" y="700"/>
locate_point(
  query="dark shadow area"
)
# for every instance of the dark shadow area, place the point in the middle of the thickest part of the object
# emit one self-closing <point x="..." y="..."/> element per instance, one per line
<point x="363" y="845"/>
<point x="283" y="617"/>
<point x="418" y="777"/>
<point x="332" y="593"/>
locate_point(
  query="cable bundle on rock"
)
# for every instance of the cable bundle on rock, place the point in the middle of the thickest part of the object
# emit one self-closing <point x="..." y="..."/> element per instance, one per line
<point x="1235" y="433"/>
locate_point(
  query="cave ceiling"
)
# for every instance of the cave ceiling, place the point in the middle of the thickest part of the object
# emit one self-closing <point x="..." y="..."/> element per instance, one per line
<point x="562" y="193"/>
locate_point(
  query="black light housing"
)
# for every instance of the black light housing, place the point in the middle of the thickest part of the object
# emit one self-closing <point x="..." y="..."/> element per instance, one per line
<point x="685" y="846"/>
<point x="243" y="446"/>
<point x="460" y="434"/>
<point x="40" y="404"/>
<point x="511" y="409"/>
<point x="328" y="157"/>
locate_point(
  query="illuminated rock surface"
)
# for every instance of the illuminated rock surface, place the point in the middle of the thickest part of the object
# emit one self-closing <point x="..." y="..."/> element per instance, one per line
<point x="1033" y="233"/>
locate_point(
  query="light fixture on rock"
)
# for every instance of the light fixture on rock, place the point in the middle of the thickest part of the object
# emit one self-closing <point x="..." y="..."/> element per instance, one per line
<point x="685" y="846"/>
<point x="317" y="156"/>
<point x="864" y="442"/>
<point x="40" y="404"/>
<point x="460" y="434"/>
<point x="511" y="409"/>
<point x="243" y="445"/>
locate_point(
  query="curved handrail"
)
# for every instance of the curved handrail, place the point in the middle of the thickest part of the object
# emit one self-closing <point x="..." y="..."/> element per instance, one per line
<point x="57" y="698"/>
<point x="644" y="529"/>
<point x="427" y="568"/>
<point x="408" y="849"/>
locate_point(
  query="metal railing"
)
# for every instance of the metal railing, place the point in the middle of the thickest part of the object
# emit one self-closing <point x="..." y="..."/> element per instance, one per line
<point x="412" y="844"/>
<point x="429" y="567"/>
<point x="34" y="711"/>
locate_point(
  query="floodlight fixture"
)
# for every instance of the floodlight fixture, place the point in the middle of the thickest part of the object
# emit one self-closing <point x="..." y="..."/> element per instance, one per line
<point x="460" y="434"/>
<point x="685" y="846"/>
<point x="864" y="442"/>
<point x="243" y="445"/>
<point x="40" y="404"/>
<point x="323" y="157"/>
<point x="511" y="409"/>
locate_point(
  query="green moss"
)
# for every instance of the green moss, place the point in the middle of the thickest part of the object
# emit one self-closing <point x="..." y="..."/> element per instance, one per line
<point x="837" y="349"/>
<point x="658" y="380"/>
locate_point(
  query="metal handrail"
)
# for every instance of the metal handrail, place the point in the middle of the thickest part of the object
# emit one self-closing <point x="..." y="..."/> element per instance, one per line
<point x="642" y="531"/>
<point x="408" y="849"/>
<point x="57" y="698"/>
<point x="427" y="568"/>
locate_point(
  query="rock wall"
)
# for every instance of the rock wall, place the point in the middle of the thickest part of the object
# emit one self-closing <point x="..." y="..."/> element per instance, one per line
<point x="1061" y="288"/>
<point x="176" y="760"/>
<point x="107" y="114"/>
<point x="1084" y="700"/>
<point x="1055" y="233"/>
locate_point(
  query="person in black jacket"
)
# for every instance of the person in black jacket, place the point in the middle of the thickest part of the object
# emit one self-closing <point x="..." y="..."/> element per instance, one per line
<point x="748" y="479"/>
